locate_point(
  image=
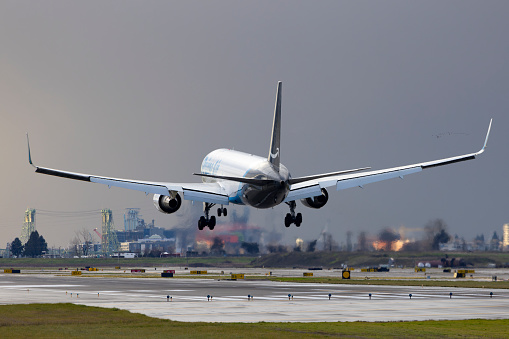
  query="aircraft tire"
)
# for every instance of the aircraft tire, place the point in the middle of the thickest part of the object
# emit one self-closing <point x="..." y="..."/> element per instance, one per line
<point x="219" y="211"/>
<point x="212" y="222"/>
<point x="201" y="223"/>
<point x="288" y="220"/>
<point x="225" y="212"/>
<point x="298" y="219"/>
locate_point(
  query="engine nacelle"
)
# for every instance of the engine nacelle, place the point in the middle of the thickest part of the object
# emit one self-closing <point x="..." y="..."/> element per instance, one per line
<point x="166" y="204"/>
<point x="318" y="201"/>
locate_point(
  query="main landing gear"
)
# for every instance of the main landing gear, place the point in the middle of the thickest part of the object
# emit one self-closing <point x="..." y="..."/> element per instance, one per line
<point x="292" y="218"/>
<point x="210" y="222"/>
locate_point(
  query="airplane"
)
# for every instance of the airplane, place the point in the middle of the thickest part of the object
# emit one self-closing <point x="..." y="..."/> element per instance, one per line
<point x="238" y="178"/>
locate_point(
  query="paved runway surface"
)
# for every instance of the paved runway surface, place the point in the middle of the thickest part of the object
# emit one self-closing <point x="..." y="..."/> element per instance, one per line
<point x="270" y="303"/>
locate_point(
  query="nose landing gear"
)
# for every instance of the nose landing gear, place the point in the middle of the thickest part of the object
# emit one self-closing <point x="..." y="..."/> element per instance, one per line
<point x="292" y="218"/>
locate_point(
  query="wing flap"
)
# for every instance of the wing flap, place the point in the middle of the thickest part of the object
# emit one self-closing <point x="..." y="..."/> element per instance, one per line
<point x="143" y="186"/>
<point x="206" y="194"/>
<point x="375" y="176"/>
<point x="303" y="192"/>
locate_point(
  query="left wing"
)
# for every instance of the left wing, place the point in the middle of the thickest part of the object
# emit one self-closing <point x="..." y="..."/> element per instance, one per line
<point x="313" y="188"/>
<point x="204" y="192"/>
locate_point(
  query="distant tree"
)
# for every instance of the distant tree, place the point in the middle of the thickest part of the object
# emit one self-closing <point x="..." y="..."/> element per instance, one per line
<point x="218" y="246"/>
<point x="495" y="236"/>
<point x="35" y="245"/>
<point x="155" y="253"/>
<point x="495" y="242"/>
<point x="312" y="246"/>
<point x="17" y="247"/>
<point x="440" y="238"/>
<point x="362" y="242"/>
<point x="436" y="233"/>
<point x="277" y="249"/>
<point x="250" y="247"/>
<point x="328" y="242"/>
<point x="413" y="246"/>
<point x="349" y="241"/>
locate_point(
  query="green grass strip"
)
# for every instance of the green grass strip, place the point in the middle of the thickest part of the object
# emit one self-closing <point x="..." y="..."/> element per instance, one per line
<point x="75" y="321"/>
<point x="395" y="282"/>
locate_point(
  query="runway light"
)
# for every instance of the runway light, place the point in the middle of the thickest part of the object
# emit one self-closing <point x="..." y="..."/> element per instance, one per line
<point x="289" y="296"/>
<point x="208" y="297"/>
<point x="370" y="296"/>
<point x="167" y="298"/>
<point x="450" y="295"/>
<point x="491" y="294"/>
<point x="249" y="297"/>
<point x="330" y="295"/>
<point x="410" y="295"/>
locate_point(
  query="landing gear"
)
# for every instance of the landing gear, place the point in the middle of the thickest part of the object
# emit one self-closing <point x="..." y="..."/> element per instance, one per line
<point x="211" y="223"/>
<point x="222" y="210"/>
<point x="292" y="218"/>
<point x="205" y="221"/>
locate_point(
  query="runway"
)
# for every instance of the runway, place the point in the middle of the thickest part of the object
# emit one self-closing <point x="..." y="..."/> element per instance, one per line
<point x="229" y="299"/>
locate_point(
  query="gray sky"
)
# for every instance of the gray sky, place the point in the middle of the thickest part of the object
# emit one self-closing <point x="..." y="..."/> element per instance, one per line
<point x="145" y="89"/>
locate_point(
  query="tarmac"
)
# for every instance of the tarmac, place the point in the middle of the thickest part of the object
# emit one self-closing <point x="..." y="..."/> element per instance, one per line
<point x="213" y="300"/>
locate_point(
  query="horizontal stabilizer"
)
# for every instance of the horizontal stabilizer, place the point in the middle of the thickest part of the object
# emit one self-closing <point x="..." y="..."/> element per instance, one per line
<point x="251" y="181"/>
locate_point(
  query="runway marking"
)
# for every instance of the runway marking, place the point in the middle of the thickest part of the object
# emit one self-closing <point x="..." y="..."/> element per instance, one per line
<point x="36" y="286"/>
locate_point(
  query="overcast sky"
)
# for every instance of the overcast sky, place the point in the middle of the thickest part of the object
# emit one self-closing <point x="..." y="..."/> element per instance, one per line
<point x="145" y="89"/>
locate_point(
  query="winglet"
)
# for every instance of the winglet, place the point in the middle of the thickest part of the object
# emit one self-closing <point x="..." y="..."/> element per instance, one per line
<point x="487" y="136"/>
<point x="29" y="156"/>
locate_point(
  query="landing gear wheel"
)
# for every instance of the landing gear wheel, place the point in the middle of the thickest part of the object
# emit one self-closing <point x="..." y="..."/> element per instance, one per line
<point x="288" y="220"/>
<point x="212" y="222"/>
<point x="202" y="223"/>
<point x="219" y="211"/>
<point x="298" y="219"/>
<point x="225" y="212"/>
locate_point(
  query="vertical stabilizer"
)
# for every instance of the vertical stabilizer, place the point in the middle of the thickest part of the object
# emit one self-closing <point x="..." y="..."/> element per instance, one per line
<point x="276" y="130"/>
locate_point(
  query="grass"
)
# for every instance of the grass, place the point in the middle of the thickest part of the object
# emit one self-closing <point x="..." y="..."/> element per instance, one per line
<point x="275" y="260"/>
<point x="76" y="321"/>
<point x="395" y="282"/>
<point x="135" y="262"/>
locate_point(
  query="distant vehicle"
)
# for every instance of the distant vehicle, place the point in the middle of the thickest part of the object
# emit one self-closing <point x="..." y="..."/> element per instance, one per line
<point x="233" y="177"/>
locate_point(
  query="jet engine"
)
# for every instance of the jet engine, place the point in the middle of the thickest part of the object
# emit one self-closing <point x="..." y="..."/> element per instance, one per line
<point x="167" y="204"/>
<point x="318" y="201"/>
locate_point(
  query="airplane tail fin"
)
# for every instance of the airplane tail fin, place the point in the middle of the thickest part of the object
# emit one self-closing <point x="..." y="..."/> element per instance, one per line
<point x="276" y="130"/>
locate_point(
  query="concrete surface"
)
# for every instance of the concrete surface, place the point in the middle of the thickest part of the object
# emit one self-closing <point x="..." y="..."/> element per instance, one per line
<point x="230" y="303"/>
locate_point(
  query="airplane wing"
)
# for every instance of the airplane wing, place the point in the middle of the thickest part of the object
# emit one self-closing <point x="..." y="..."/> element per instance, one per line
<point x="313" y="188"/>
<point x="204" y="192"/>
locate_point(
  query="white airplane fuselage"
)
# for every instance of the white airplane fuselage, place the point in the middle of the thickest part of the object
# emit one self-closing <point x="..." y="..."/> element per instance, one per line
<point x="225" y="162"/>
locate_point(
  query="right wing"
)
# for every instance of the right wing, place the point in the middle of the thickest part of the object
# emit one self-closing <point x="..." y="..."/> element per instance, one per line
<point x="313" y="188"/>
<point x="204" y="192"/>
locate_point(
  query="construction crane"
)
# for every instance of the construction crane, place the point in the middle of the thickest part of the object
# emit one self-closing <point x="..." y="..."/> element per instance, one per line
<point x="99" y="234"/>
